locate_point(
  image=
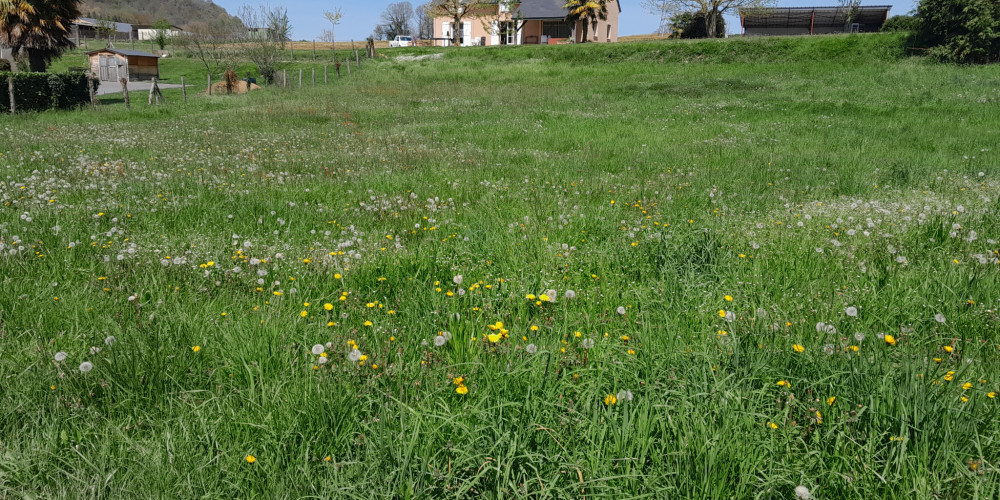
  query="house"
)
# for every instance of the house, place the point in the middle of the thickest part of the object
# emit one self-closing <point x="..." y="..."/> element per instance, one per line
<point x="111" y="65"/>
<point x="143" y="32"/>
<point x="814" y="20"/>
<point x="85" y="27"/>
<point x="540" y="22"/>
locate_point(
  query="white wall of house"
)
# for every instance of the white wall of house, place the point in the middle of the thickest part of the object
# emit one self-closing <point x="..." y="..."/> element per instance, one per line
<point x="149" y="33"/>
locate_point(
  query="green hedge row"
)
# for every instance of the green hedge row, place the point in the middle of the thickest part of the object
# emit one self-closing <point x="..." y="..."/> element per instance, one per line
<point x="42" y="91"/>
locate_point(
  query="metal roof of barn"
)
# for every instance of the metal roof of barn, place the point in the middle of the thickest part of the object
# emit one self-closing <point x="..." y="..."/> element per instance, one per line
<point x="794" y="17"/>
<point x="89" y="21"/>
<point x="124" y="52"/>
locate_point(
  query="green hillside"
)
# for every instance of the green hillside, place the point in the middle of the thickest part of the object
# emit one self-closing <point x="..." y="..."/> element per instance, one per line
<point x="178" y="12"/>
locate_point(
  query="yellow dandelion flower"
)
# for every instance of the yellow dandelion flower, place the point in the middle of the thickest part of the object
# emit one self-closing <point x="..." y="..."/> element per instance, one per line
<point x="729" y="298"/>
<point x="462" y="389"/>
<point x="772" y="425"/>
<point x="251" y="459"/>
<point x="610" y="400"/>
<point x="304" y="313"/>
<point x="784" y="383"/>
<point x="368" y="323"/>
<point x="328" y="306"/>
<point x="798" y="348"/>
<point x="889" y="339"/>
<point x="494" y="337"/>
<point x="196" y="348"/>
<point x="830" y="400"/>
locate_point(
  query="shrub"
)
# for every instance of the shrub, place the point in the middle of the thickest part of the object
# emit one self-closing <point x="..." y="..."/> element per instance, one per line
<point x="896" y="24"/>
<point x="962" y="31"/>
<point x="692" y="25"/>
<point x="42" y="91"/>
<point x="4" y="65"/>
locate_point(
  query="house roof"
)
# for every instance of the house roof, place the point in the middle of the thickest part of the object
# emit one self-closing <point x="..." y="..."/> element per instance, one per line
<point x="88" y="21"/>
<point x="789" y="17"/>
<point x="124" y="52"/>
<point x="548" y="9"/>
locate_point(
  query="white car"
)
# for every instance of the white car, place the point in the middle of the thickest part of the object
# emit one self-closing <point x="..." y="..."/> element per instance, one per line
<point x="401" y="41"/>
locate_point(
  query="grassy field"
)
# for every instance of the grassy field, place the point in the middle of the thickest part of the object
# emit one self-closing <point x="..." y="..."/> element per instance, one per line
<point x="720" y="269"/>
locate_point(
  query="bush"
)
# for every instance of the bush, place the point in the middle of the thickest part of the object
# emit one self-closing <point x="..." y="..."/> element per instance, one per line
<point x="692" y="25"/>
<point x="4" y="65"/>
<point x="897" y="24"/>
<point x="962" y="31"/>
<point x="42" y="91"/>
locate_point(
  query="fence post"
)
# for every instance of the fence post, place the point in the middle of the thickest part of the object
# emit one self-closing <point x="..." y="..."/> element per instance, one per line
<point x="10" y="90"/>
<point x="300" y="77"/>
<point x="209" y="84"/>
<point x="325" y="79"/>
<point x="124" y="82"/>
<point x="357" y="57"/>
<point x="314" y="77"/>
<point x="184" y="90"/>
<point x="348" y="66"/>
<point x="152" y="90"/>
<point x="284" y="78"/>
<point x="337" y="67"/>
<point x="90" y="87"/>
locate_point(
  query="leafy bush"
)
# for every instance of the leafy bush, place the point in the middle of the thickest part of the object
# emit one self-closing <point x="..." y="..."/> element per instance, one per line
<point x="42" y="91"/>
<point x="692" y="25"/>
<point x="962" y="31"/>
<point x="897" y="24"/>
<point x="4" y="65"/>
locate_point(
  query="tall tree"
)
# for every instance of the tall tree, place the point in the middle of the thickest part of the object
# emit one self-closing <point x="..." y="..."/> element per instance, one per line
<point x="334" y="16"/>
<point x="397" y="19"/>
<point x="161" y="34"/>
<point x="39" y="30"/>
<point x="425" y="22"/>
<point x="264" y="50"/>
<point x="586" y="11"/>
<point x="506" y="19"/>
<point x="714" y="10"/>
<point x="457" y="10"/>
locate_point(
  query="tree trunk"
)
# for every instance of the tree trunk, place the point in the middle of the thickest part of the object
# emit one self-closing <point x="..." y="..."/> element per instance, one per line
<point x="712" y="19"/>
<point x="585" y="23"/>
<point x="36" y="61"/>
<point x="456" y="25"/>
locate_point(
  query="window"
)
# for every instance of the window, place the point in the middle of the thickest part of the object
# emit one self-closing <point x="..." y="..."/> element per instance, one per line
<point x="556" y="29"/>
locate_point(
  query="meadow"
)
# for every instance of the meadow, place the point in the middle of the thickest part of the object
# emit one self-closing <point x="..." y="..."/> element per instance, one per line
<point x="661" y="269"/>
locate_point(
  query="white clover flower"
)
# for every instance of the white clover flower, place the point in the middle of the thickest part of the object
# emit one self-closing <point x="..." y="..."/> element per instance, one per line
<point x="86" y="366"/>
<point x="851" y="311"/>
<point x="439" y="340"/>
<point x="61" y="356"/>
<point x="531" y="348"/>
<point x="588" y="343"/>
<point x="940" y="318"/>
<point x="318" y="349"/>
<point x="620" y="310"/>
<point x="802" y="493"/>
<point x="570" y="294"/>
<point x="457" y="279"/>
<point x="354" y="356"/>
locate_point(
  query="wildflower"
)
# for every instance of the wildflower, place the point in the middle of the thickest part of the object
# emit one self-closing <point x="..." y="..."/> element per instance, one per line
<point x="802" y="493"/>
<point x="570" y="294"/>
<point x="991" y="395"/>
<point x="620" y="311"/>
<point x="798" y="348"/>
<point x="304" y="313"/>
<point x="965" y="399"/>
<point x="86" y="366"/>
<point x="543" y="297"/>
<point x="110" y="339"/>
<point x="354" y="356"/>
<point x="830" y="400"/>
<point x="860" y="337"/>
<point x="457" y="279"/>
<point x="948" y="349"/>
<point x="610" y="400"/>
<point x="889" y="339"/>
<point x="966" y="386"/>
<point x="318" y="349"/>
<point x="196" y="348"/>
<point x="722" y="313"/>
<point x="949" y="376"/>
<point x="61" y="356"/>
<point x="328" y="306"/>
<point x="772" y="425"/>
<point x="828" y="349"/>
<point x="251" y="459"/>
<point x="624" y="395"/>
<point x="819" y="417"/>
<point x="531" y="348"/>
<point x="336" y="276"/>
<point x="939" y="318"/>
<point x="723" y="333"/>
<point x="439" y="340"/>
<point x="368" y="323"/>
<point x="534" y="328"/>
<point x="852" y="311"/>
<point x="530" y="296"/>
<point x="729" y="298"/>
<point x="588" y="343"/>
<point x="494" y="337"/>
<point x="458" y="380"/>
<point x="784" y="383"/>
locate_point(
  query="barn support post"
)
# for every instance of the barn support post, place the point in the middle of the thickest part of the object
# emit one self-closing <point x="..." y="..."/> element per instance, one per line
<point x="812" y="22"/>
<point x="10" y="92"/>
<point x="124" y="82"/>
<point x="184" y="90"/>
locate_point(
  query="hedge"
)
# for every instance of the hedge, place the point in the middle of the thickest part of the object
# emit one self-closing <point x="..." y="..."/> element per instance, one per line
<point x="42" y="91"/>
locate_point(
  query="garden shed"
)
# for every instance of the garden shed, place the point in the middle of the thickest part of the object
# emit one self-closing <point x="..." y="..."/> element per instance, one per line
<point x="111" y="65"/>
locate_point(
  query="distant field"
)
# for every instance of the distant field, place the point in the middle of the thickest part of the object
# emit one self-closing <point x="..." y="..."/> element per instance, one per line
<point x="660" y="269"/>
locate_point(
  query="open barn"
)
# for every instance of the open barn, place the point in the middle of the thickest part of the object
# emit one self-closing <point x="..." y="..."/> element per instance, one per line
<point x="813" y="20"/>
<point x="111" y="65"/>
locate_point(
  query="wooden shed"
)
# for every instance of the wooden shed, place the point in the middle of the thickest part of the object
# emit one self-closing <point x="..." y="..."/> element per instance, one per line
<point x="111" y="65"/>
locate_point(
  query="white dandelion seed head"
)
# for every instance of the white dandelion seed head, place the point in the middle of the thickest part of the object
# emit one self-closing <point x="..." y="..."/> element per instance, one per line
<point x="730" y="316"/>
<point x="570" y="294"/>
<point x="318" y="349"/>
<point x="828" y="349"/>
<point x="94" y="350"/>
<point x="820" y="327"/>
<point x="552" y="295"/>
<point x="354" y="356"/>
<point x="110" y="339"/>
<point x="61" y="356"/>
<point x="761" y="312"/>
<point x="446" y="334"/>
<point x="802" y="493"/>
<point x="851" y="311"/>
<point x="439" y="340"/>
<point x="457" y="279"/>
<point x="620" y="310"/>
<point x="322" y="360"/>
<point x="625" y="395"/>
<point x="531" y="348"/>
<point x="940" y="318"/>
<point x="860" y="337"/>
<point x="588" y="343"/>
<point x="86" y="366"/>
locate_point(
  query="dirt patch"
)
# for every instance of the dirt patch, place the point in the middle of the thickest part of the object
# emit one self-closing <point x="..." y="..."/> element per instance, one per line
<point x="241" y="87"/>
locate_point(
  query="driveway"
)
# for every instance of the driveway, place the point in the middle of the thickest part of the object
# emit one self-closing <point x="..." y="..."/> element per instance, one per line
<point x="115" y="88"/>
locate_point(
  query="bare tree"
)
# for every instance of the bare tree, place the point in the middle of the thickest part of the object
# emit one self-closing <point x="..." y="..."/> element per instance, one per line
<point x="505" y="20"/>
<point x="264" y="40"/>
<point x="713" y="9"/>
<point x="334" y="16"/>
<point x="397" y="19"/>
<point x="209" y="42"/>
<point x="850" y="8"/>
<point x="457" y="10"/>
<point x="657" y="7"/>
<point x="425" y="22"/>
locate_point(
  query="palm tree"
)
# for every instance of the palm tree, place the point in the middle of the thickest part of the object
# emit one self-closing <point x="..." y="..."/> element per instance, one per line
<point x="37" y="29"/>
<point x="588" y="11"/>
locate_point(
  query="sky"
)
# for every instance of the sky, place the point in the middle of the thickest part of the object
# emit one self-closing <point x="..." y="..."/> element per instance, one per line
<point x="361" y="16"/>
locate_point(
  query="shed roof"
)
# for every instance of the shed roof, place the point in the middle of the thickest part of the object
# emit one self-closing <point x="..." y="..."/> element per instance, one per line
<point x="794" y="17"/>
<point x="89" y="21"/>
<point x="124" y="52"/>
